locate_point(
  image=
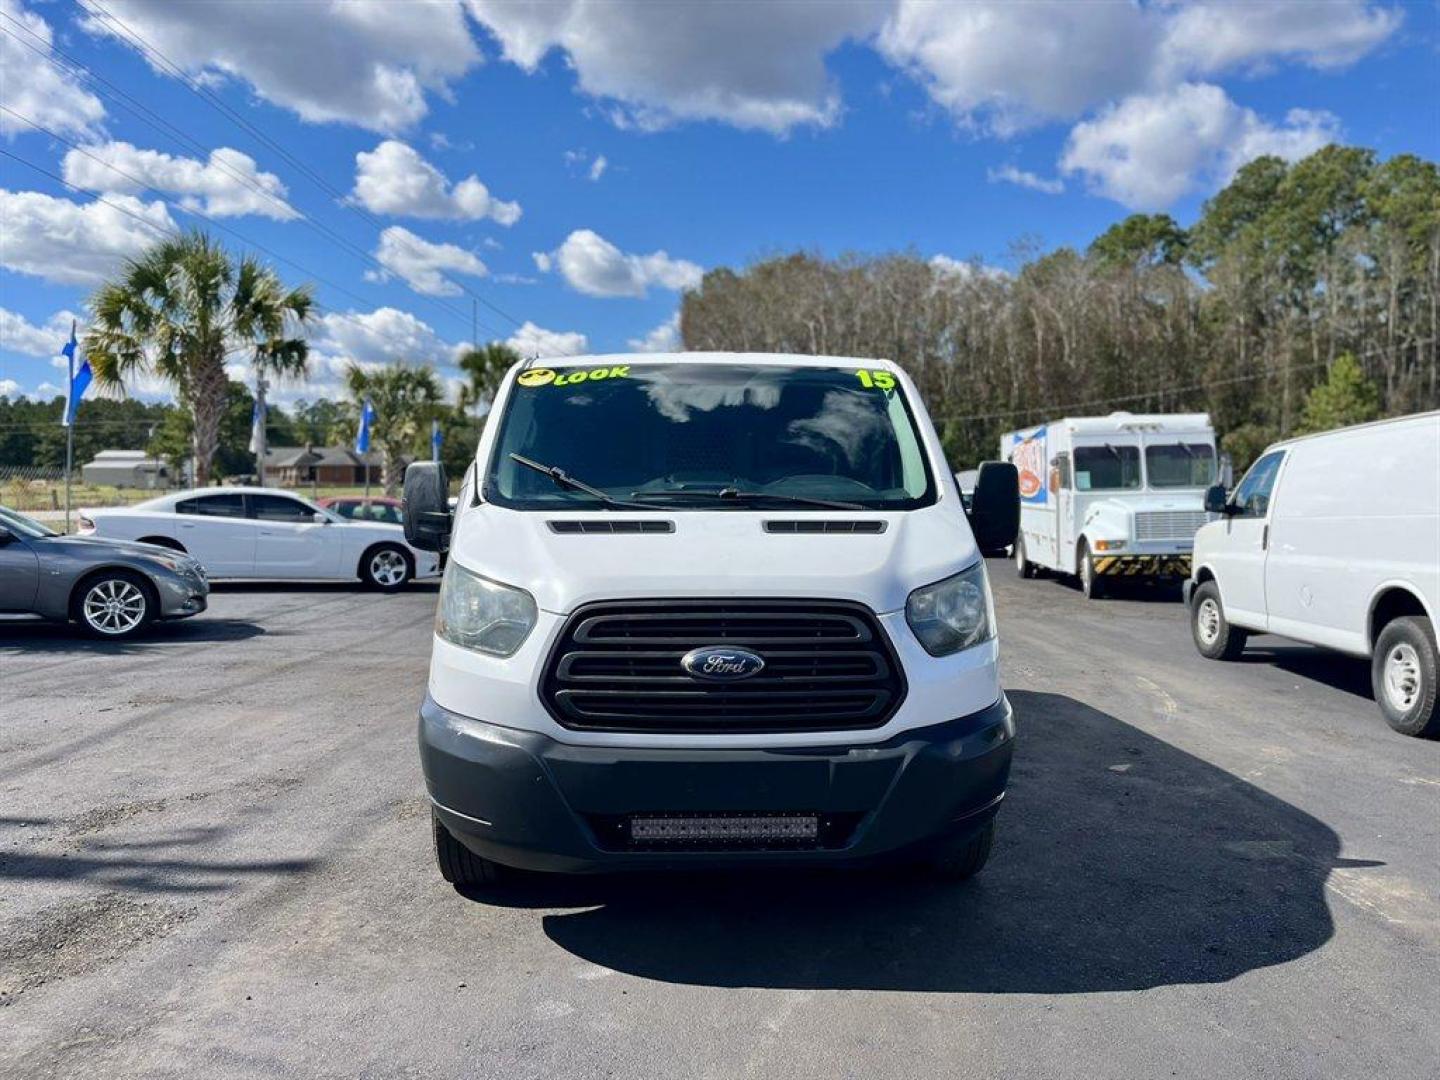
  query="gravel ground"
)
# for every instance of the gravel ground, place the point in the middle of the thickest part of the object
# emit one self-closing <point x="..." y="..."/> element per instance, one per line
<point x="214" y="861"/>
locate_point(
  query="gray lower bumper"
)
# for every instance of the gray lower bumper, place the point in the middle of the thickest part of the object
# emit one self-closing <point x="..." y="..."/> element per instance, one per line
<point x="523" y="799"/>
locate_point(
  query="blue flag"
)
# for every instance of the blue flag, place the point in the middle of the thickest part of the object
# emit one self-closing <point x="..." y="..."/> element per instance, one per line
<point x="436" y="439"/>
<point x="362" y="437"/>
<point x="79" y="380"/>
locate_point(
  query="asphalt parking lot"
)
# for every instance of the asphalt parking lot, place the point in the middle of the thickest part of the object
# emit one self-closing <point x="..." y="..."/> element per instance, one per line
<point x="214" y="861"/>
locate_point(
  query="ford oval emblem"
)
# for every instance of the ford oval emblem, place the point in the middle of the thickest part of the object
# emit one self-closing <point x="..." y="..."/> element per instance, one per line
<point x="722" y="663"/>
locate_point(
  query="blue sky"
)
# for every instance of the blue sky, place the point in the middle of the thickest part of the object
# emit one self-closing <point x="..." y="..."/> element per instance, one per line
<point x="577" y="164"/>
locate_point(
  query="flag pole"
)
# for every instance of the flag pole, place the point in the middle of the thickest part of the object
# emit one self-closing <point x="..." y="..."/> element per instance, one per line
<point x="69" y="429"/>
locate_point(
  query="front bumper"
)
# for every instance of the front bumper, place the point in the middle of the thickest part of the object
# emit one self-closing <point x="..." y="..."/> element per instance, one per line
<point x="181" y="595"/>
<point x="1157" y="566"/>
<point x="523" y="799"/>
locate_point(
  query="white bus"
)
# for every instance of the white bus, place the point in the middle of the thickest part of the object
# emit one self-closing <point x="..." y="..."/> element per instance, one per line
<point x="1111" y="496"/>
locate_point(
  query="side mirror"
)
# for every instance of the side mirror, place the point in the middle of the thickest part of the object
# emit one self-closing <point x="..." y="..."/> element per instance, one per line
<point x="995" y="505"/>
<point x="427" y="506"/>
<point x="1215" y="501"/>
<point x="319" y="518"/>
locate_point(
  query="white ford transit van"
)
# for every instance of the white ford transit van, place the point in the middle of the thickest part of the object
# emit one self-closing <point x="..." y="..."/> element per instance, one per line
<point x="1334" y="540"/>
<point x="711" y="608"/>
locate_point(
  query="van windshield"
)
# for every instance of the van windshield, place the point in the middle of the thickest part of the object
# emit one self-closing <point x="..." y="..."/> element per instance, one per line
<point x="1180" y="465"/>
<point x="1107" y="467"/>
<point x="678" y="435"/>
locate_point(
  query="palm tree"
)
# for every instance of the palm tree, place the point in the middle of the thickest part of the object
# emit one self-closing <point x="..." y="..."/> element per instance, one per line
<point x="180" y="311"/>
<point x="406" y="399"/>
<point x="486" y="367"/>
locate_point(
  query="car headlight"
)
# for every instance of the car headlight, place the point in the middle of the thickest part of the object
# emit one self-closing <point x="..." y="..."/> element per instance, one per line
<point x="953" y="614"/>
<point x="480" y="614"/>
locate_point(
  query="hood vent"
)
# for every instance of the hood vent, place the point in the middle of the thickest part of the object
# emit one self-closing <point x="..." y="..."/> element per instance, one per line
<point x="821" y="526"/>
<point x="605" y="525"/>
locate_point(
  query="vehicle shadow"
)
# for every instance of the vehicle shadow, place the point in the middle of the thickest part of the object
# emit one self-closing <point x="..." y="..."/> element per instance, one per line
<point x="1335" y="670"/>
<point x="1121" y="863"/>
<point x="47" y="637"/>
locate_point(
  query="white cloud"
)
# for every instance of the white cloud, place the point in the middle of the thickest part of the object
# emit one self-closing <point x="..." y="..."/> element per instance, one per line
<point x="394" y="179"/>
<point x="364" y="62"/>
<point x="18" y="334"/>
<point x="598" y="167"/>
<point x="596" y="267"/>
<point x="948" y="268"/>
<point x="663" y="338"/>
<point x="9" y="388"/>
<point x="1013" y="64"/>
<point x="35" y="88"/>
<point x="759" y="66"/>
<point x="1009" y="174"/>
<point x="1003" y="66"/>
<point x="531" y="340"/>
<point x="386" y="335"/>
<point x="227" y="185"/>
<point x="423" y="265"/>
<point x="76" y="243"/>
<point x="1206" y="37"/>
<point x="1148" y="151"/>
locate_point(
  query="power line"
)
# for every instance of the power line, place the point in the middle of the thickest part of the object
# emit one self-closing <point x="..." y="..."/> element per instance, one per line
<point x="148" y="49"/>
<point x="1061" y="410"/>
<point x="324" y="231"/>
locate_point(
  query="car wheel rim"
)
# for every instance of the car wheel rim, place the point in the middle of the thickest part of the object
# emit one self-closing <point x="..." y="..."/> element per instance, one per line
<point x="114" y="606"/>
<point x="1207" y="620"/>
<point x="1402" y="677"/>
<point x="388" y="568"/>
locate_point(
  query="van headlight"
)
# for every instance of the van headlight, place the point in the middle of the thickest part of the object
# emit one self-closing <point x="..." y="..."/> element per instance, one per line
<point x="484" y="615"/>
<point x="953" y="614"/>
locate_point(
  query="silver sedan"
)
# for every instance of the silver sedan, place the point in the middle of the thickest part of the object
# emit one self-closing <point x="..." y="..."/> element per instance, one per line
<point x="112" y="588"/>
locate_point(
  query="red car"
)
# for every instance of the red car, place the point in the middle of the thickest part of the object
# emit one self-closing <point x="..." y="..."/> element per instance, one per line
<point x="377" y="508"/>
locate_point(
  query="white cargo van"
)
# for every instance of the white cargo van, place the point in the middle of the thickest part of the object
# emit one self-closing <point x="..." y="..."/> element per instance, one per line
<point x="1111" y="496"/>
<point x="1334" y="540"/>
<point x="711" y="608"/>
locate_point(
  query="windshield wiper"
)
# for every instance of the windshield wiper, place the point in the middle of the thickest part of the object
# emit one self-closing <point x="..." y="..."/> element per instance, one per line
<point x="562" y="479"/>
<point x="730" y="494"/>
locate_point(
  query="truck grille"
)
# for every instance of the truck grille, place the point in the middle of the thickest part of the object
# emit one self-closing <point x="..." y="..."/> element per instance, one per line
<point x="1168" y="524"/>
<point x="616" y="667"/>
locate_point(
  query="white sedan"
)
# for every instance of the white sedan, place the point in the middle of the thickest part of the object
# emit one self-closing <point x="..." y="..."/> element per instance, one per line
<point x="247" y="532"/>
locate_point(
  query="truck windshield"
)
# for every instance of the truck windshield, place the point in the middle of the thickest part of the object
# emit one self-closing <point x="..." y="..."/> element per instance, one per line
<point x="692" y="436"/>
<point x="1180" y="465"/>
<point x="1107" y="467"/>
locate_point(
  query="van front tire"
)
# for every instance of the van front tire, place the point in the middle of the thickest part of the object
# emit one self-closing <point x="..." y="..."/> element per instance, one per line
<point x="459" y="865"/>
<point x="1403" y="675"/>
<point x="962" y="861"/>
<point x="1214" y="636"/>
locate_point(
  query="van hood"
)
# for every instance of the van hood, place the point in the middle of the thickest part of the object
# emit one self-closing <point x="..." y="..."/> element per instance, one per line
<point x="714" y="553"/>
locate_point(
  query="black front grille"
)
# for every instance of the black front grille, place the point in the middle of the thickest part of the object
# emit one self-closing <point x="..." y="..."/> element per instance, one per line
<point x="828" y="667"/>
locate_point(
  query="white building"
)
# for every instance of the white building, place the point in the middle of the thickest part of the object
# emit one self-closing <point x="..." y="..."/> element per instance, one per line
<point x="126" y="468"/>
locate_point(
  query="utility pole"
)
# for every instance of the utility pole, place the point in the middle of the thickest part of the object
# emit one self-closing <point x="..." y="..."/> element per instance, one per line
<point x="72" y="411"/>
<point x="260" y="387"/>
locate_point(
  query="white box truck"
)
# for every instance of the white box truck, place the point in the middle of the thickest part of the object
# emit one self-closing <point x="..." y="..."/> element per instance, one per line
<point x="1334" y="540"/>
<point x="1112" y="496"/>
<point x="711" y="608"/>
